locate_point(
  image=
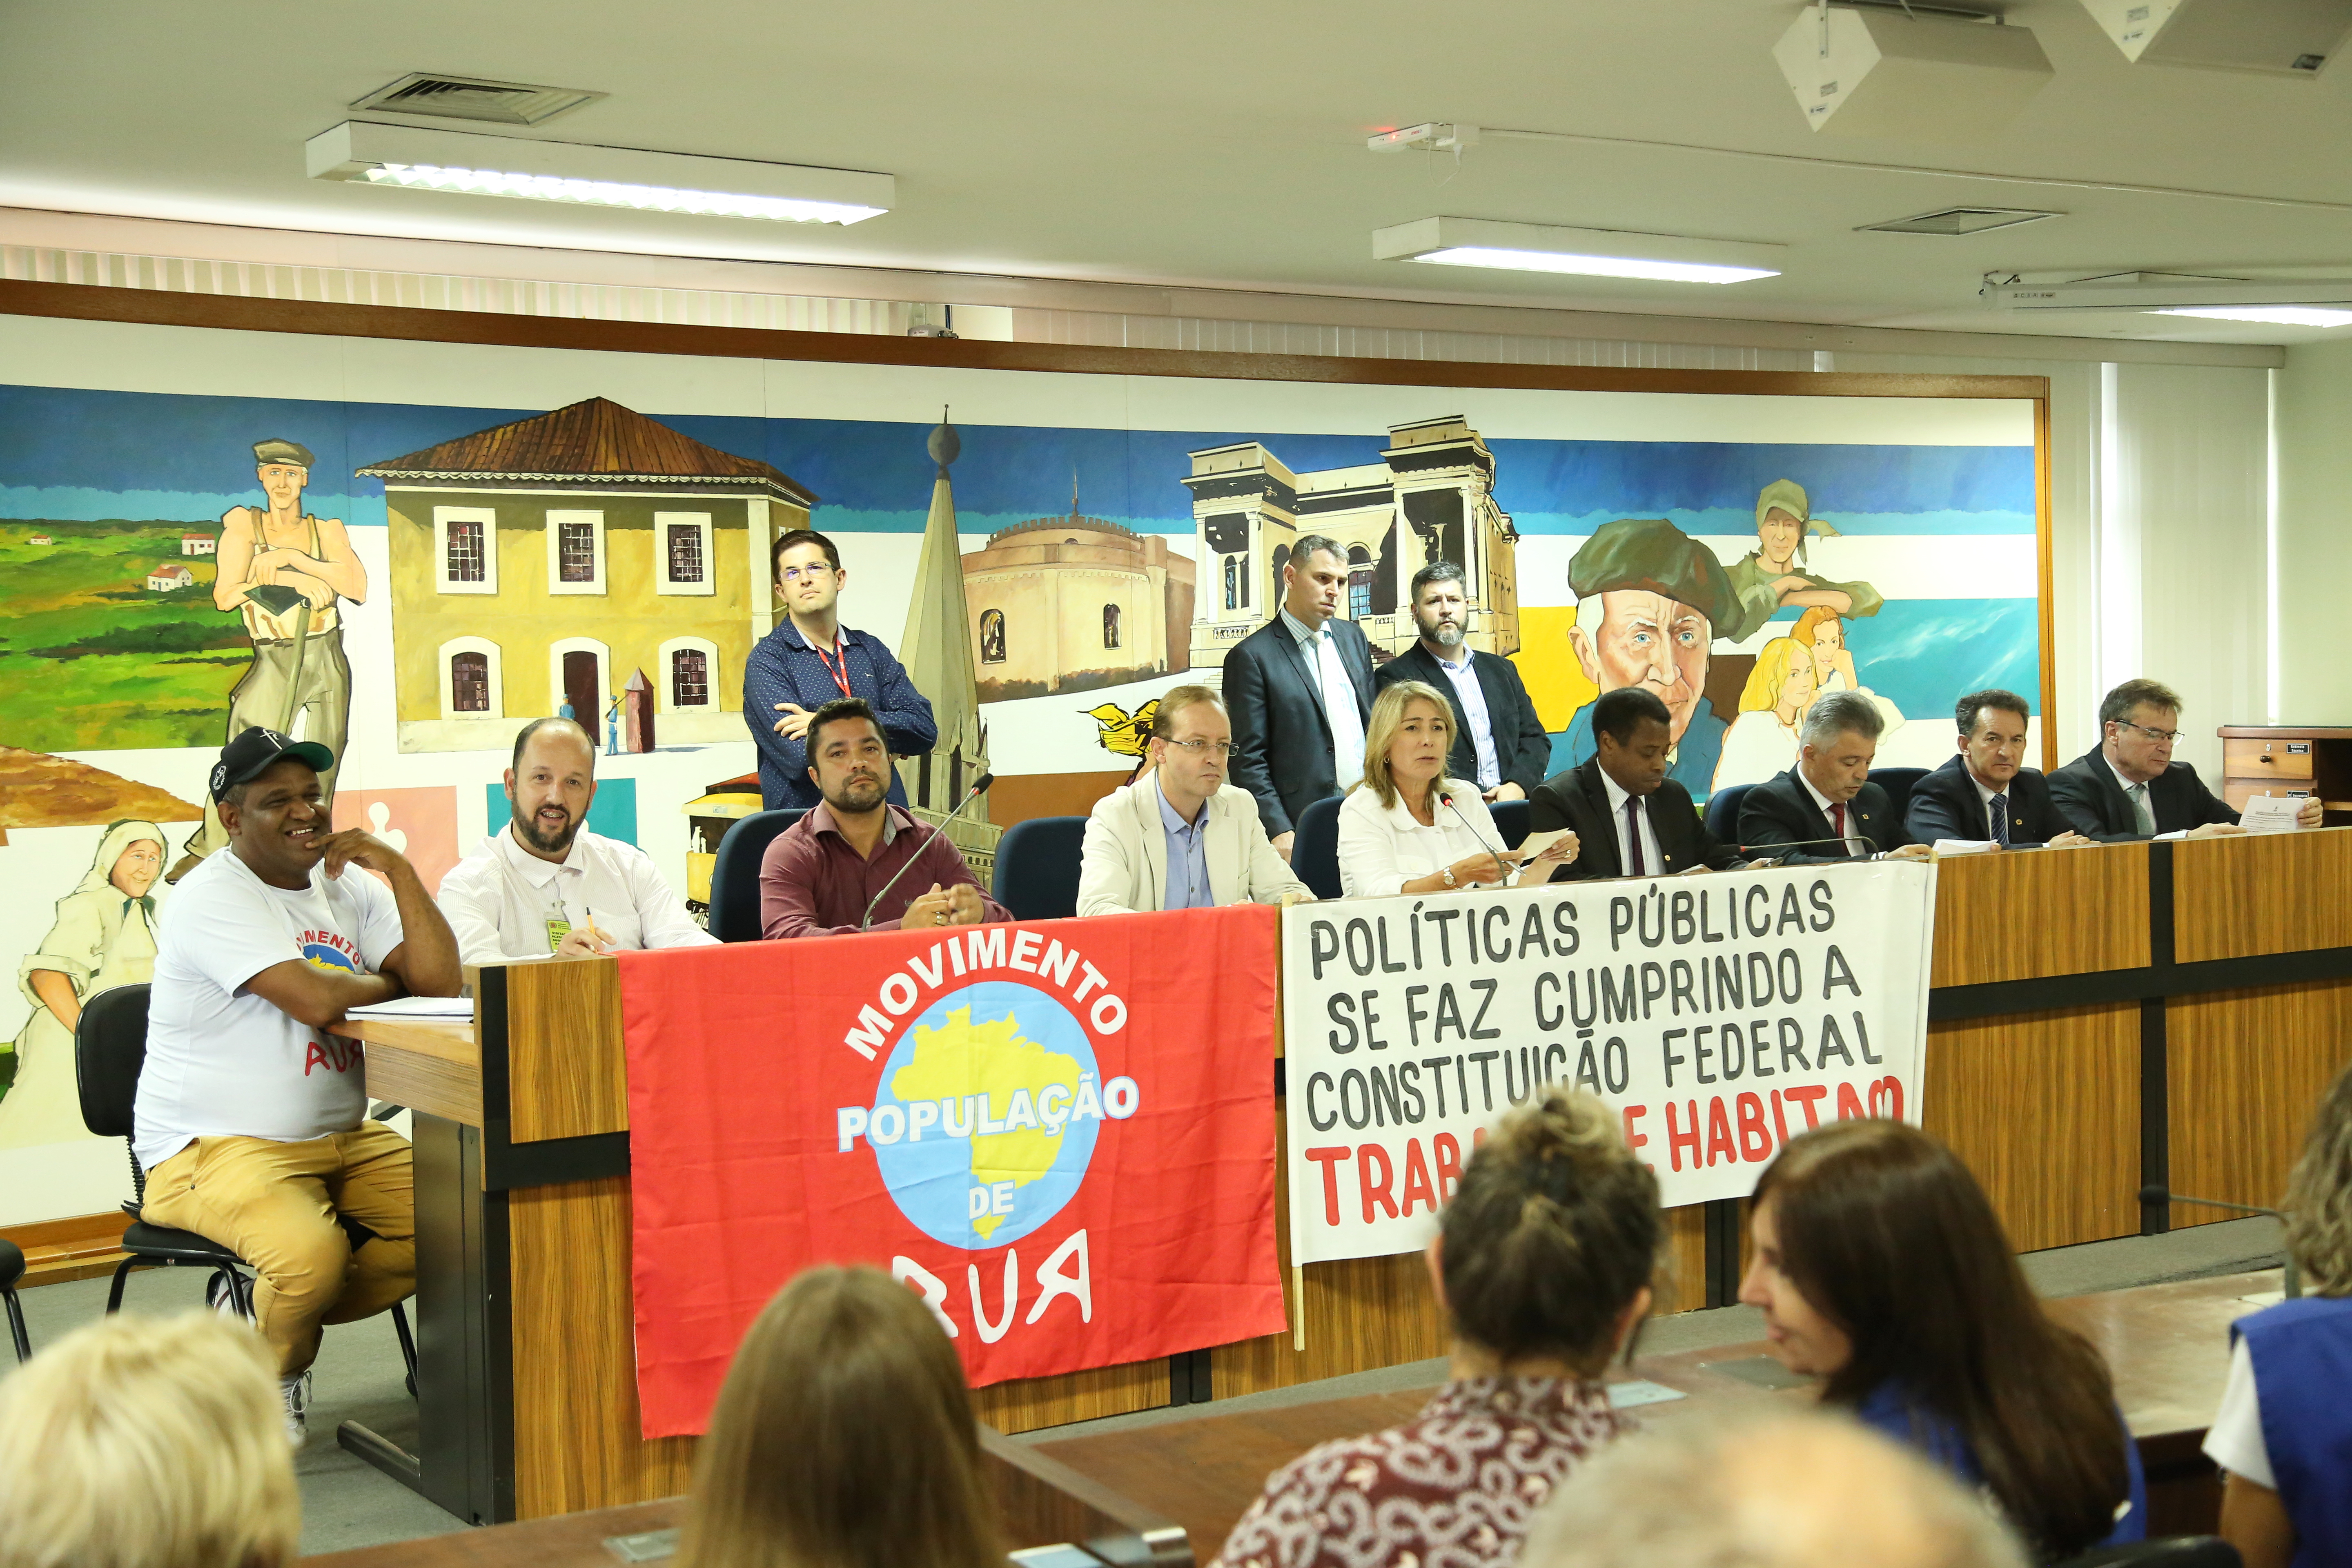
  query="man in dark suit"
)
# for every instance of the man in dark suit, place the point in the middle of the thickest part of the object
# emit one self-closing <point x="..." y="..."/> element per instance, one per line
<point x="1629" y="819"/>
<point x="1986" y="793"/>
<point x="1498" y="739"/>
<point x="1827" y="795"/>
<point x="1301" y="691"/>
<point x="2131" y="788"/>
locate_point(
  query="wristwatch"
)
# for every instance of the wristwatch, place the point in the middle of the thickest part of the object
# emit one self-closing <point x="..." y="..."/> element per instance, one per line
<point x="1448" y="872"/>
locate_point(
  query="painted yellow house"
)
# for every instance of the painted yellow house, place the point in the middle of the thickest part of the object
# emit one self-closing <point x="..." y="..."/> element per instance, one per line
<point x="537" y="564"/>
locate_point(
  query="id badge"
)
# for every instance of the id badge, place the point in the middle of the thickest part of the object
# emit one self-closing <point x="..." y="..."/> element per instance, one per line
<point x="556" y="932"/>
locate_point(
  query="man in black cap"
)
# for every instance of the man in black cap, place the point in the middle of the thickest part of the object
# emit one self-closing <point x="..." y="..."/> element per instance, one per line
<point x="250" y="1117"/>
<point x="285" y="573"/>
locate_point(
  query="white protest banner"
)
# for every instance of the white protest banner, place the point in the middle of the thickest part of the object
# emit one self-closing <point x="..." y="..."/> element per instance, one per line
<point x="1718" y="1015"/>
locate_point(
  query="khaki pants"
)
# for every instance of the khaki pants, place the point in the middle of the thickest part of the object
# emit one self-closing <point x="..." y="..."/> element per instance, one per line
<point x="276" y="1204"/>
<point x="259" y="702"/>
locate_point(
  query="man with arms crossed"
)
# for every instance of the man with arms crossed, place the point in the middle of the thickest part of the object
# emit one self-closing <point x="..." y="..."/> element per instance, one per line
<point x="1300" y="689"/>
<point x="2130" y="787"/>
<point x="1629" y="819"/>
<point x="1827" y="795"/>
<point x="545" y="885"/>
<point x="808" y="661"/>
<point x="1180" y="838"/>
<point x="821" y="875"/>
<point x="1498" y="739"/>
<point x="1987" y="794"/>
<point x="251" y="1116"/>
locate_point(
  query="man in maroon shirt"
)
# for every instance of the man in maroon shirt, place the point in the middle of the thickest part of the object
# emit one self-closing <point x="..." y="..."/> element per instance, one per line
<point x="821" y="874"/>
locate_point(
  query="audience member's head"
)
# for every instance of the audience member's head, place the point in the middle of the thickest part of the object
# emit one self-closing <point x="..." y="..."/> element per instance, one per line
<point x="843" y="1437"/>
<point x="1547" y="1253"/>
<point x="1787" y="1489"/>
<point x="147" y="1443"/>
<point x="2319" y="1196"/>
<point x="849" y="761"/>
<point x="1407" y="742"/>
<point x="1882" y="1268"/>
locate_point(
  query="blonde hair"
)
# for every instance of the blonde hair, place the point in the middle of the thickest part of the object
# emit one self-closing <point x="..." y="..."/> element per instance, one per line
<point x="2319" y="1195"/>
<point x="1773" y="666"/>
<point x="1388" y="718"/>
<point x="147" y="1443"/>
<point x="844" y="1435"/>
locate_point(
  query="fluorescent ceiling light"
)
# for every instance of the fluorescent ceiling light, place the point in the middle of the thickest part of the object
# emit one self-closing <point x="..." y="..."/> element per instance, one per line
<point x="1584" y="252"/>
<point x="2270" y="315"/>
<point x="2159" y="292"/>
<point x="367" y="154"/>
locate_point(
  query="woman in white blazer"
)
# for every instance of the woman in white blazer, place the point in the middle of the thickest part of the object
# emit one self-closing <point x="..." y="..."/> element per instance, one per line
<point x="1398" y="833"/>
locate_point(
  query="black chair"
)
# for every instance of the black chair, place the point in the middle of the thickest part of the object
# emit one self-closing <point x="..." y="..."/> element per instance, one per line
<point x="12" y="1268"/>
<point x="110" y="1049"/>
<point x="735" y="873"/>
<point x="1315" y="849"/>
<point x="1037" y="868"/>
<point x="1511" y="822"/>
<point x="1898" y="784"/>
<point x="1722" y="812"/>
<point x="2173" y="1552"/>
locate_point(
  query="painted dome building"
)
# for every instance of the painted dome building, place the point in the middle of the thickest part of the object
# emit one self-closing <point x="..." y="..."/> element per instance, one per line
<point x="1074" y="604"/>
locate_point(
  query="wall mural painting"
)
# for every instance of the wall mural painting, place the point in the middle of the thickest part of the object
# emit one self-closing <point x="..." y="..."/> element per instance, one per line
<point x="410" y="581"/>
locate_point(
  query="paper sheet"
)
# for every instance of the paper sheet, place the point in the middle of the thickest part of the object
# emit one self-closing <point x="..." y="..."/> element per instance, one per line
<point x="2271" y="814"/>
<point x="417" y="1007"/>
<point x="1949" y="846"/>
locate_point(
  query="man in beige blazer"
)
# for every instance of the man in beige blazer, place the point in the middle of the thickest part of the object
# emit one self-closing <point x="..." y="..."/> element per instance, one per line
<point x="1180" y="838"/>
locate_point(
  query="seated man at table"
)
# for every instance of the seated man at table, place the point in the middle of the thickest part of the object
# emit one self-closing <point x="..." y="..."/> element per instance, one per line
<point x="545" y="884"/>
<point x="2129" y="787"/>
<point x="1629" y="819"/>
<point x="251" y="1116"/>
<point x="1825" y="808"/>
<point x="1987" y="794"/>
<point x="1180" y="838"/>
<point x="856" y="862"/>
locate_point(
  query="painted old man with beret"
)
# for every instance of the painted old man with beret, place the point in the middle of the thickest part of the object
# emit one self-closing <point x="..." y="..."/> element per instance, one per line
<point x="1649" y="599"/>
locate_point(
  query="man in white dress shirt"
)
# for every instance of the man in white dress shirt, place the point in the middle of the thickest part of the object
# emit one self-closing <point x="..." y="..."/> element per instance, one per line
<point x="544" y="886"/>
<point x="1180" y="838"/>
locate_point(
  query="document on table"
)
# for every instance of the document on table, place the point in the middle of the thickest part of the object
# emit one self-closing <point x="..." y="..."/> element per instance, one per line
<point x="1949" y="846"/>
<point x="417" y="1007"/>
<point x="2271" y="814"/>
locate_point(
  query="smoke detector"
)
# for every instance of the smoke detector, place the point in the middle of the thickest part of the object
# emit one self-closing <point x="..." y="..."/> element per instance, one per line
<point x="475" y="98"/>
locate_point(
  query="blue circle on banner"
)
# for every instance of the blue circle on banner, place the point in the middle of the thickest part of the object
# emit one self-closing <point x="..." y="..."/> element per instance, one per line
<point x="972" y="1125"/>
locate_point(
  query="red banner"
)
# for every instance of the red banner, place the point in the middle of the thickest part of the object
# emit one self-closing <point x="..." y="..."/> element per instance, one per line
<point x="1060" y="1132"/>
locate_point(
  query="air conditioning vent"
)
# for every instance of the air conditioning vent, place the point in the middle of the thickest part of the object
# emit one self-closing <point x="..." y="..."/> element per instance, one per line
<point x="472" y="97"/>
<point x="1959" y="220"/>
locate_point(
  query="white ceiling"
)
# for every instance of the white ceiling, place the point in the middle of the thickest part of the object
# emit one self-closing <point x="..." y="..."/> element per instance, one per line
<point x="1213" y="143"/>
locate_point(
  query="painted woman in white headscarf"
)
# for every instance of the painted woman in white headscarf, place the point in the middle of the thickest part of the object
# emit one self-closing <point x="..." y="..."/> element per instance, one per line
<point x="104" y="936"/>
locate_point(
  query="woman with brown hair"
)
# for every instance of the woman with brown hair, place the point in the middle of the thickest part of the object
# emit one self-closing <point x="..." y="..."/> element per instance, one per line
<point x="1543" y="1260"/>
<point x="1881" y="1268"/>
<point x="843" y="1439"/>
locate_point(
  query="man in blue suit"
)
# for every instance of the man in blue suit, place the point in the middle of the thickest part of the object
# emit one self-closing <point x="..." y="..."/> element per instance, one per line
<point x="1648" y="599"/>
<point x="1986" y="793"/>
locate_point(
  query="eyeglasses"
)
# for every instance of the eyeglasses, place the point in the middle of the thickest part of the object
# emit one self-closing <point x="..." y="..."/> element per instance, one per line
<point x="794" y="574"/>
<point x="1220" y="750"/>
<point x="2167" y="736"/>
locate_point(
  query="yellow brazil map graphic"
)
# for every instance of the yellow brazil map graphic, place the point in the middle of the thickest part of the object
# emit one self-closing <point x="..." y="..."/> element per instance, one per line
<point x="962" y="1058"/>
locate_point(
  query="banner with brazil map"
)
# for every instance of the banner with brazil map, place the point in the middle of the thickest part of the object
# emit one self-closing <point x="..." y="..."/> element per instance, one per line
<point x="1061" y="1133"/>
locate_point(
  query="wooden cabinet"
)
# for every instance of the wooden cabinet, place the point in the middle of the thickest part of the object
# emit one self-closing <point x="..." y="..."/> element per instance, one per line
<point x="2288" y="760"/>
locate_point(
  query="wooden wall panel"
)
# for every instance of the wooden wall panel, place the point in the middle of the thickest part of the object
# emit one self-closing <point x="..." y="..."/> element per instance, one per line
<point x="563" y="1039"/>
<point x="577" y="1429"/>
<point x="1017" y="797"/>
<point x="1028" y="1403"/>
<point x="2263" y="892"/>
<point x="2024" y="917"/>
<point x="2246" y="1070"/>
<point x="2044" y="1107"/>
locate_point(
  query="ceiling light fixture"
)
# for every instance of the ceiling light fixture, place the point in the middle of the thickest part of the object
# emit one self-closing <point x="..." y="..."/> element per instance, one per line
<point x="2269" y="315"/>
<point x="1582" y="252"/>
<point x="367" y="154"/>
<point x="2162" y="293"/>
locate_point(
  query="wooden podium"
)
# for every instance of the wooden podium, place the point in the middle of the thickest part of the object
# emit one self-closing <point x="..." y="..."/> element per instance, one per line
<point x="2100" y="1019"/>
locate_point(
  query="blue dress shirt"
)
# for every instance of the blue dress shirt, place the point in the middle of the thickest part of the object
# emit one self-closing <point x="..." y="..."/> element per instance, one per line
<point x="1188" y="855"/>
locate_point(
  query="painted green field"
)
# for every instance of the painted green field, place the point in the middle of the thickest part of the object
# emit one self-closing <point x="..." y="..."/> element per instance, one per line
<point x="90" y="660"/>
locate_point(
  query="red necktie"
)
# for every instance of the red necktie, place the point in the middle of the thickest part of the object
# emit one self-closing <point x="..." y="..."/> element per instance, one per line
<point x="1840" y="810"/>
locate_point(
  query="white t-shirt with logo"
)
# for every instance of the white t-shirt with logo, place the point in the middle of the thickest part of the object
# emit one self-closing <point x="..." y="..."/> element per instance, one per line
<point x="220" y="1059"/>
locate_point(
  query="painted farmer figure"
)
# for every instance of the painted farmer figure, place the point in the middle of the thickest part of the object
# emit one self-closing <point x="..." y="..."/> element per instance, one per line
<point x="1773" y="575"/>
<point x="273" y="561"/>
<point x="1648" y="601"/>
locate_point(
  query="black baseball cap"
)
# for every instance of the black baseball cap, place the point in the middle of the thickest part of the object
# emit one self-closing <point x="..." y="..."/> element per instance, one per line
<point x="250" y="755"/>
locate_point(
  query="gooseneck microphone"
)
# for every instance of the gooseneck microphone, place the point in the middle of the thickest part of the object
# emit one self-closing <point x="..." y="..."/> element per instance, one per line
<point x="2157" y="1193"/>
<point x="938" y="830"/>
<point x="1845" y="843"/>
<point x="1500" y="855"/>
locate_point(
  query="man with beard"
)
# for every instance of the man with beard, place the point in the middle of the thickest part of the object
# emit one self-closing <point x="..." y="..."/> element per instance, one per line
<point x="824" y="875"/>
<point x="1498" y="739"/>
<point x="545" y="885"/>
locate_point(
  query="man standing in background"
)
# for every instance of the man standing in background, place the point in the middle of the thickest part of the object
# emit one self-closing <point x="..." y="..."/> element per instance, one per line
<point x="285" y="571"/>
<point x="1301" y="691"/>
<point x="808" y="661"/>
<point x="1498" y="739"/>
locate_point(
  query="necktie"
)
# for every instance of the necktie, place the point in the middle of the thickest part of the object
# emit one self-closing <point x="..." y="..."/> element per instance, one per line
<point x="1838" y="813"/>
<point x="1633" y="864"/>
<point x="2142" y="812"/>
<point x="1999" y="808"/>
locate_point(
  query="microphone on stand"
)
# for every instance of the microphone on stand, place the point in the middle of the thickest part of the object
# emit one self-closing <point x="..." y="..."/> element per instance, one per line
<point x="1845" y="843"/>
<point x="938" y="830"/>
<point x="2157" y="1193"/>
<point x="1499" y="855"/>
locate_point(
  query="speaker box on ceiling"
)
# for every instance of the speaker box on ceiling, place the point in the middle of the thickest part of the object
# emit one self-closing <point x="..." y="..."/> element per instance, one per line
<point x="2280" y="37"/>
<point x="1925" y="78"/>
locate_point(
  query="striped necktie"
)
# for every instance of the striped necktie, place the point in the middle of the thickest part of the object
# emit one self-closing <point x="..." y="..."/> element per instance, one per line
<point x="1999" y="806"/>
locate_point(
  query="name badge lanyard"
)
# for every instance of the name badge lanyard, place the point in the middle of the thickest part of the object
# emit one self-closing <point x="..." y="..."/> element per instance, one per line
<point x="841" y="674"/>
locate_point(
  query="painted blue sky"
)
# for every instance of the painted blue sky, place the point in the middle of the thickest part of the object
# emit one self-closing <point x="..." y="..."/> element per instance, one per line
<point x="69" y="453"/>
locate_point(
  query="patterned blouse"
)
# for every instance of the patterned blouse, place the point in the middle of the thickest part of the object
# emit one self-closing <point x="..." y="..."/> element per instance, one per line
<point x="1454" y="1487"/>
